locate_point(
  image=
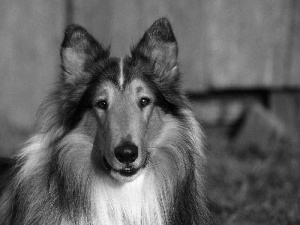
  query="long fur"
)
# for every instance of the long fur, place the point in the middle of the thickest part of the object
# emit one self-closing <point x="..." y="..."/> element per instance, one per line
<point x="55" y="180"/>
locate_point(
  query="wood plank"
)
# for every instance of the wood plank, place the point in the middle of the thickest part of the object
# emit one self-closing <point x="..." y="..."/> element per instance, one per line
<point x="247" y="42"/>
<point x="294" y="78"/>
<point x="96" y="16"/>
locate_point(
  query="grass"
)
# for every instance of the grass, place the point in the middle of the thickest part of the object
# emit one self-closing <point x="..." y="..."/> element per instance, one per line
<point x="252" y="186"/>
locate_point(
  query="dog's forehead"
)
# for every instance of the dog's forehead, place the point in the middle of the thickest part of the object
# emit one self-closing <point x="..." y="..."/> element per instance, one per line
<point x="136" y="86"/>
<point x="126" y="76"/>
<point x="121" y="72"/>
<point x="126" y="73"/>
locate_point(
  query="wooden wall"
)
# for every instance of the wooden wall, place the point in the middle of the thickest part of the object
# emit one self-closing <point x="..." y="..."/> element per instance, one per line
<point x="30" y="36"/>
<point x="293" y="66"/>
<point x="223" y="44"/>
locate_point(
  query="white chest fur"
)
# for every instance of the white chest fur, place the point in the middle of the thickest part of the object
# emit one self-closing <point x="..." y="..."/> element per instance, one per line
<point x="134" y="203"/>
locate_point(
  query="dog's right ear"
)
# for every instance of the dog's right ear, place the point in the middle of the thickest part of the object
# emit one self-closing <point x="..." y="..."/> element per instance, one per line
<point x="78" y="50"/>
<point x="159" y="46"/>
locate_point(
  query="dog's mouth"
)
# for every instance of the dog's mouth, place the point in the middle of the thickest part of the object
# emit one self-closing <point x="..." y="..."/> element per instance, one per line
<point x="127" y="171"/>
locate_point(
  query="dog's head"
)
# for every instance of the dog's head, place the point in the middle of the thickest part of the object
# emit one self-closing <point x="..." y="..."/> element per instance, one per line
<point x="122" y="101"/>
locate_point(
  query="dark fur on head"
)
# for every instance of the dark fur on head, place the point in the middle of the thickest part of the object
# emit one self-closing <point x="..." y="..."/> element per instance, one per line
<point x="58" y="178"/>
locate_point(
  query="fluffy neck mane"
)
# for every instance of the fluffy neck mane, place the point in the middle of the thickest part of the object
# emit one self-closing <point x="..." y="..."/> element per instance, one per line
<point x="141" y="201"/>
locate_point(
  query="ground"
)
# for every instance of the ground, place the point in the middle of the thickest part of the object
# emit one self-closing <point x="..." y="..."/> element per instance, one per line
<point x="252" y="186"/>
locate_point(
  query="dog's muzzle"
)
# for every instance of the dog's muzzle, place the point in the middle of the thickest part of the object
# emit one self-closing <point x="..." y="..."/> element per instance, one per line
<point x="127" y="171"/>
<point x="127" y="163"/>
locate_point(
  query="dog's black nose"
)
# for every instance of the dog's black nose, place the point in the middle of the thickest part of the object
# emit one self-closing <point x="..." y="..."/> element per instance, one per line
<point x="126" y="153"/>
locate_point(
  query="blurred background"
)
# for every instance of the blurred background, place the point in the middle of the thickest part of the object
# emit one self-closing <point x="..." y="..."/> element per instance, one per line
<point x="240" y="63"/>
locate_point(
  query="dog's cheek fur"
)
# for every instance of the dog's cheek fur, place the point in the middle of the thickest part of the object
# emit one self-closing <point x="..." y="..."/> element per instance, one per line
<point x="71" y="167"/>
<point x="178" y="164"/>
<point x="57" y="188"/>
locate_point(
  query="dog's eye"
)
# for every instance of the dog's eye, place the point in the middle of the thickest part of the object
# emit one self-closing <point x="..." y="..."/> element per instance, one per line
<point x="144" y="102"/>
<point x="102" y="104"/>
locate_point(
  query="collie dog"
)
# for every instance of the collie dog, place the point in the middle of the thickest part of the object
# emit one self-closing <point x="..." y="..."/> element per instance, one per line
<point x="117" y="142"/>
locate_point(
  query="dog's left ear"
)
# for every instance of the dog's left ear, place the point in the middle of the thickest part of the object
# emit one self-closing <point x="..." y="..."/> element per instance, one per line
<point x="160" y="47"/>
<point x="79" y="50"/>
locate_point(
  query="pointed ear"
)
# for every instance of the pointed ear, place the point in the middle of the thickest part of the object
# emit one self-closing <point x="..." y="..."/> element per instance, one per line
<point x="78" y="50"/>
<point x="160" y="47"/>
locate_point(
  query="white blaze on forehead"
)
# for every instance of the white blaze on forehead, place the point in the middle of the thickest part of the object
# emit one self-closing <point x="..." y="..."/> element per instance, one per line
<point x="121" y="78"/>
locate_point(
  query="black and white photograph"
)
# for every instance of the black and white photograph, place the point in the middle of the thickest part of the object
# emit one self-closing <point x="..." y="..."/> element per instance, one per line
<point x="135" y="112"/>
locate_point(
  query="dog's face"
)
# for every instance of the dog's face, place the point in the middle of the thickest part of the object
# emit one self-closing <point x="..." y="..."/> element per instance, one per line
<point x="126" y="99"/>
<point x="125" y="118"/>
